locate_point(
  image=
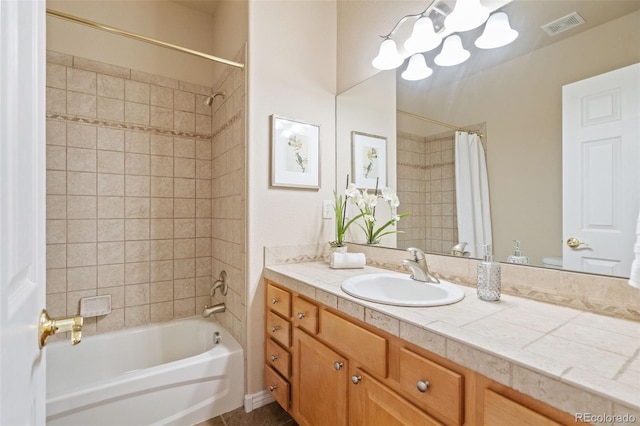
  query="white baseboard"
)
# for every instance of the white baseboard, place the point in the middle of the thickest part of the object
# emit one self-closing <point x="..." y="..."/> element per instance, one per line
<point x="257" y="400"/>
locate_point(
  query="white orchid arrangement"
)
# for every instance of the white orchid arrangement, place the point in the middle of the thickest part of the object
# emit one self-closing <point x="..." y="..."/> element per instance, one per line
<point x="367" y="203"/>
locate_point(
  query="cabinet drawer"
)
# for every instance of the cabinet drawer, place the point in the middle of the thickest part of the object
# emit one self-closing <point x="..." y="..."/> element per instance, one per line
<point x="500" y="410"/>
<point x="362" y="345"/>
<point x="277" y="387"/>
<point x="279" y="329"/>
<point x="305" y="315"/>
<point x="444" y="394"/>
<point x="278" y="358"/>
<point x="278" y="300"/>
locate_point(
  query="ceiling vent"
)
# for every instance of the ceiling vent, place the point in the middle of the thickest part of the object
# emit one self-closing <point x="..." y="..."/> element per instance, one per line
<point x="563" y="24"/>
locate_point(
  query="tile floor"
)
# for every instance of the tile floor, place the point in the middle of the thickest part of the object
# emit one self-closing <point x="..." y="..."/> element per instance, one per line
<point x="269" y="415"/>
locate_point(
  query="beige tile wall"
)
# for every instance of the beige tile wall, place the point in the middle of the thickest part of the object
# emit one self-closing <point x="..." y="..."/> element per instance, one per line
<point x="129" y="188"/>
<point x="426" y="187"/>
<point x="229" y="197"/>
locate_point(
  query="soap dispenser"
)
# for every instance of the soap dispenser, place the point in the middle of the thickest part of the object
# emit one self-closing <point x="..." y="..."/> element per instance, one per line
<point x="517" y="256"/>
<point x="488" y="276"/>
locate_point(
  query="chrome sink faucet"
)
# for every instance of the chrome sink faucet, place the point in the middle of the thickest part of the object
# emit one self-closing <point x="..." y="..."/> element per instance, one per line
<point x="418" y="266"/>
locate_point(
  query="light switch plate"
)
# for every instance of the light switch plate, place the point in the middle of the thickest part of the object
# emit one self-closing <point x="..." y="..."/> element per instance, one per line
<point x="327" y="209"/>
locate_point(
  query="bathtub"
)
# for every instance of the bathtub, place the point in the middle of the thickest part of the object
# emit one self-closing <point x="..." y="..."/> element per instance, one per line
<point x="175" y="373"/>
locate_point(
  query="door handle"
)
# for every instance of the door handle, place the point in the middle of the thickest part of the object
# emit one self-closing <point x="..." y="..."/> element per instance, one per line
<point x="575" y="243"/>
<point x="49" y="326"/>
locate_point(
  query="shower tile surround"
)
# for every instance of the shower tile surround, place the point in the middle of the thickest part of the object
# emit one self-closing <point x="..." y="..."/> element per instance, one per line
<point x="567" y="356"/>
<point x="427" y="189"/>
<point x="130" y="176"/>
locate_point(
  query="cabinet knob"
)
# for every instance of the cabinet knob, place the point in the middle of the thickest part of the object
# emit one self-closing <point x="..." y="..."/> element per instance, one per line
<point x="301" y="315"/>
<point x="272" y="387"/>
<point x="274" y="357"/>
<point x="275" y="328"/>
<point x="356" y="379"/>
<point x="338" y="365"/>
<point x="275" y="300"/>
<point x="422" y="385"/>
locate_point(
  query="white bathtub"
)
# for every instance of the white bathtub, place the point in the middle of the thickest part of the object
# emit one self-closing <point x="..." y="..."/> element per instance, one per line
<point x="164" y="374"/>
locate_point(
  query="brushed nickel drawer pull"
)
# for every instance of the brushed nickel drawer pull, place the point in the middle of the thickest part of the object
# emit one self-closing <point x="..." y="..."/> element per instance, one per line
<point x="275" y="328"/>
<point x="422" y="385"/>
<point x="274" y="357"/>
<point x="301" y="315"/>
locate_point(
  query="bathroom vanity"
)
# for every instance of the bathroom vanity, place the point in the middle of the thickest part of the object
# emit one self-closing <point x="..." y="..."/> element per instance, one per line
<point x="331" y="359"/>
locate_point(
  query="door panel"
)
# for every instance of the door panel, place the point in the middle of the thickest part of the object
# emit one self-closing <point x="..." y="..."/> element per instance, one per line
<point x="22" y="210"/>
<point x="601" y="177"/>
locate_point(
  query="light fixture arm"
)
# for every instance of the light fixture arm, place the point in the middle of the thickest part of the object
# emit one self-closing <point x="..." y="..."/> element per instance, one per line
<point x="404" y="19"/>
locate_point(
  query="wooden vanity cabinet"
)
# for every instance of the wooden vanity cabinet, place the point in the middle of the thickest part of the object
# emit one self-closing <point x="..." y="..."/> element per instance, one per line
<point x="497" y="404"/>
<point x="320" y="380"/>
<point x="373" y="404"/>
<point x="277" y="369"/>
<point x="328" y="369"/>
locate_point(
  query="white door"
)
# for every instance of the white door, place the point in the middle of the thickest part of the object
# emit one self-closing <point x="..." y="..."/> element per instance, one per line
<point x="22" y="210"/>
<point x="601" y="171"/>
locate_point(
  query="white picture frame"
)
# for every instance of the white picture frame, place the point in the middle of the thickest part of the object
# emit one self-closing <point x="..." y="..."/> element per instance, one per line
<point x="295" y="153"/>
<point x="368" y="160"/>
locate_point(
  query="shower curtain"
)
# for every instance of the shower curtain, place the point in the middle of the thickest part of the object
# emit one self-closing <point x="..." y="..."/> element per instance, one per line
<point x="472" y="193"/>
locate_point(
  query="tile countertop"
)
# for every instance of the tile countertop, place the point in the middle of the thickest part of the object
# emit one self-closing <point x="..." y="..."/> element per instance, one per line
<point x="576" y="361"/>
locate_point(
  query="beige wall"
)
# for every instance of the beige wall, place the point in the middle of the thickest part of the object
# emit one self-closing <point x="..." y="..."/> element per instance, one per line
<point x="520" y="102"/>
<point x="163" y="20"/>
<point x="292" y="69"/>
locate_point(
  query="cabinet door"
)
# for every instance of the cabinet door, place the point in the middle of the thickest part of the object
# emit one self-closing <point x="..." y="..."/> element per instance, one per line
<point x="320" y="383"/>
<point x="373" y="404"/>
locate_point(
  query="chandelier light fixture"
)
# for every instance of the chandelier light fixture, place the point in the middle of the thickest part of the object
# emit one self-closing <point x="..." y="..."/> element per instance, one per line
<point x="452" y="52"/>
<point x="435" y="24"/>
<point x="417" y="68"/>
<point x="497" y="32"/>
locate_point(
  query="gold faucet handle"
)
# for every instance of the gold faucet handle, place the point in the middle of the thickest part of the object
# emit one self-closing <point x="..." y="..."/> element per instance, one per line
<point x="49" y="326"/>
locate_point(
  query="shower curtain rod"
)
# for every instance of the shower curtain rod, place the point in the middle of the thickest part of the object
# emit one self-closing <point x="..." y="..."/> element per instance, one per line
<point x="437" y="122"/>
<point x="139" y="37"/>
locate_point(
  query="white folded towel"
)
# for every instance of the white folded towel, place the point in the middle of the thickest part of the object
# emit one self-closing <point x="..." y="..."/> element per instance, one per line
<point x="348" y="260"/>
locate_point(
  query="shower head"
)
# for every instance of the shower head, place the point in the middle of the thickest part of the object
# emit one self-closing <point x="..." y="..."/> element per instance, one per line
<point x="208" y="101"/>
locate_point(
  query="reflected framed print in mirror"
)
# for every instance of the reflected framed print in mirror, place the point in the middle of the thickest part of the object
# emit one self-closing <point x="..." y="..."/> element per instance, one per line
<point x="369" y="160"/>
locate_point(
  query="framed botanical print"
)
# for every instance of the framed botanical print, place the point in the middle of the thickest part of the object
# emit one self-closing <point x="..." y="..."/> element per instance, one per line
<point x="368" y="160"/>
<point x="295" y="153"/>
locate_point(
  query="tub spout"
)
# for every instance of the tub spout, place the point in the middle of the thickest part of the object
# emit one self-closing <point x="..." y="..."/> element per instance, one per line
<point x="215" y="309"/>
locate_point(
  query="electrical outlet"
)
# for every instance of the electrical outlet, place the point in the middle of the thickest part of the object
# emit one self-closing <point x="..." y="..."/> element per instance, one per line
<point x="327" y="209"/>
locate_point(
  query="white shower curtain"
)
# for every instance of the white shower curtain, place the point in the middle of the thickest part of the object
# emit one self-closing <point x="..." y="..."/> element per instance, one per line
<point x="472" y="193"/>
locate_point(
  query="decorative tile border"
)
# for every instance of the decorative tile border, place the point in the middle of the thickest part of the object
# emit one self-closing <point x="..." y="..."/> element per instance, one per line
<point x="126" y="126"/>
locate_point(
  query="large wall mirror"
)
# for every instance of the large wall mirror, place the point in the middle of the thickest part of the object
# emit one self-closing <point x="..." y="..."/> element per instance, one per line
<point x="513" y="96"/>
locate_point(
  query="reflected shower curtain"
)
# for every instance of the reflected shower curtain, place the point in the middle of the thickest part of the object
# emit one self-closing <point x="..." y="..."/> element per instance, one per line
<point x="472" y="193"/>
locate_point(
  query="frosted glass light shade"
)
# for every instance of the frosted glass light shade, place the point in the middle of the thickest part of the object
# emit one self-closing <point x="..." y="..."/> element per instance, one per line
<point x="497" y="32"/>
<point x="466" y="15"/>
<point x="452" y="52"/>
<point x="423" y="37"/>
<point x="388" y="57"/>
<point x="417" y="68"/>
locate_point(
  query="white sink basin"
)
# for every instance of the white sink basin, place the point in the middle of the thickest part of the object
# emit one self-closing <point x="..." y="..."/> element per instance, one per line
<point x="401" y="290"/>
